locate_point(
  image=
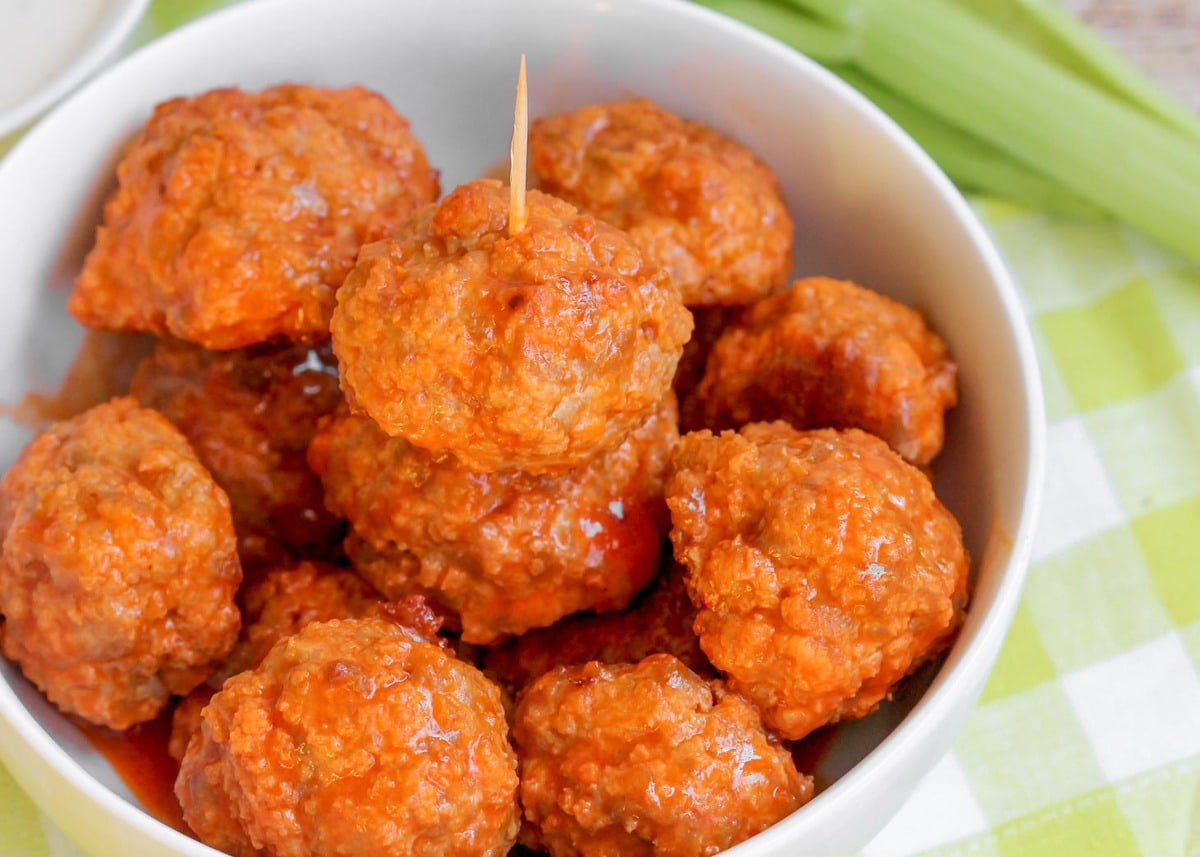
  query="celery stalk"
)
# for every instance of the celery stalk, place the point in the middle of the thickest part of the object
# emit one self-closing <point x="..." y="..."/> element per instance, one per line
<point x="1045" y="119"/>
<point x="972" y="164"/>
<point x="1047" y="27"/>
<point x="814" y="39"/>
<point x="946" y="61"/>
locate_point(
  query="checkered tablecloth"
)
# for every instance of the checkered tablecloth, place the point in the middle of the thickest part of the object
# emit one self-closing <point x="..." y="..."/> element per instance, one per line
<point x="1087" y="738"/>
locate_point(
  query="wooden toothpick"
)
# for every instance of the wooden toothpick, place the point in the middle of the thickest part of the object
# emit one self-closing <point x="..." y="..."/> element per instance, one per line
<point x="517" y="157"/>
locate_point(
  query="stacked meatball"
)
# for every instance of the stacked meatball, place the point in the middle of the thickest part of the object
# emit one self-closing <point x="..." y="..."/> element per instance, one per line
<point x="398" y="519"/>
<point x="174" y="545"/>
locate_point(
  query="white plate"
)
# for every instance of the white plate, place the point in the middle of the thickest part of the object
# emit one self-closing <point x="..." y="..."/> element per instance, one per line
<point x="49" y="47"/>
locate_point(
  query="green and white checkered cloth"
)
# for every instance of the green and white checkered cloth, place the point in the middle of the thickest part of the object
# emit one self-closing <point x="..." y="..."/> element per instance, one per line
<point x="1087" y="737"/>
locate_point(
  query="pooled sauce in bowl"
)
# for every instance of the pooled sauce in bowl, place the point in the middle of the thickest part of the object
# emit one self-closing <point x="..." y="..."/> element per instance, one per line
<point x="139" y="757"/>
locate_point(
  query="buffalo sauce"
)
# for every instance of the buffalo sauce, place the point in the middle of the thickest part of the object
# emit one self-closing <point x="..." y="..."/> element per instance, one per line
<point x="140" y="758"/>
<point x="101" y="369"/>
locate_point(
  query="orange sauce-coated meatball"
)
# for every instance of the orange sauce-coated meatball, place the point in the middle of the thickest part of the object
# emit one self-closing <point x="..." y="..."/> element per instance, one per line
<point x="250" y="414"/>
<point x="534" y="352"/>
<point x="697" y="203"/>
<point x="822" y="564"/>
<point x="238" y="213"/>
<point x="504" y="551"/>
<point x="277" y="604"/>
<point x="829" y="354"/>
<point x="119" y="565"/>
<point x="646" y="759"/>
<point x="354" y="737"/>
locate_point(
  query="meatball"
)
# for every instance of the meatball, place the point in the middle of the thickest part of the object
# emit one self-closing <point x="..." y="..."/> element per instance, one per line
<point x="119" y="565"/>
<point x="250" y="414"/>
<point x="709" y="323"/>
<point x="698" y="204"/>
<point x="276" y="605"/>
<point x="504" y="551"/>
<point x="185" y="720"/>
<point x="646" y="759"/>
<point x="238" y="214"/>
<point x="822" y="564"/>
<point x="830" y="354"/>
<point x="533" y="352"/>
<point x="659" y="620"/>
<point x="353" y="737"/>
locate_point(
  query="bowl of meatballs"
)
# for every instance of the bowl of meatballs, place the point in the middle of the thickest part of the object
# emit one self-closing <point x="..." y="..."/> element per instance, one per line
<point x="363" y="497"/>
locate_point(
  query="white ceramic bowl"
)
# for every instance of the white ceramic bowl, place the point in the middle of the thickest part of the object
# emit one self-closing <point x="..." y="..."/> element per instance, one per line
<point x="49" y="47"/>
<point x="868" y="205"/>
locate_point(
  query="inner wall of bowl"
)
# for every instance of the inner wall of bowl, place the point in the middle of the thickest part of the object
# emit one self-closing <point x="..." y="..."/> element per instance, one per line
<point x="862" y="210"/>
<point x="64" y="43"/>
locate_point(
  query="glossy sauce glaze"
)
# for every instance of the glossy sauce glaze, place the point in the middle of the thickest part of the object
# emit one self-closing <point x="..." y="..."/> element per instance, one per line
<point x="139" y="757"/>
<point x="102" y="368"/>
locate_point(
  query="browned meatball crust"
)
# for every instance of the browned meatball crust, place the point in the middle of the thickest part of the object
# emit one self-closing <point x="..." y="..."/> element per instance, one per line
<point x="287" y="598"/>
<point x="504" y="551"/>
<point x="250" y="414"/>
<point x="277" y="604"/>
<point x="119" y="565"/>
<point x="646" y="759"/>
<point x="354" y="737"/>
<point x="658" y="621"/>
<point x="238" y="214"/>
<point x="709" y="323"/>
<point x="533" y="352"/>
<point x="697" y="203"/>
<point x="830" y="354"/>
<point x="822" y="564"/>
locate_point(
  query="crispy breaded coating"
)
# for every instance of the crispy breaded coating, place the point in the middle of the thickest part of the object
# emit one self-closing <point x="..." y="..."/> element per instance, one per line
<point x="822" y="564"/>
<point x="658" y="621"/>
<point x="646" y="759"/>
<point x="505" y="551"/>
<point x="354" y="737"/>
<point x="119" y="565"/>
<point x="277" y="604"/>
<point x="250" y="414"/>
<point x="697" y="203"/>
<point x="238" y="214"/>
<point x="830" y="354"/>
<point x="533" y="352"/>
<point x="709" y="323"/>
<point x="286" y="598"/>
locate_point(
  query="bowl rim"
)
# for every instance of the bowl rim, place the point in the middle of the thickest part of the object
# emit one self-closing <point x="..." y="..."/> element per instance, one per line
<point x="104" y="41"/>
<point x="960" y="679"/>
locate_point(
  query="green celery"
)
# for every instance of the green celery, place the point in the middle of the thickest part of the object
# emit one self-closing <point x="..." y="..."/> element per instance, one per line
<point x="1049" y="29"/>
<point x="946" y="61"/>
<point x="974" y="165"/>
<point x="948" y="64"/>
<point x="814" y="39"/>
